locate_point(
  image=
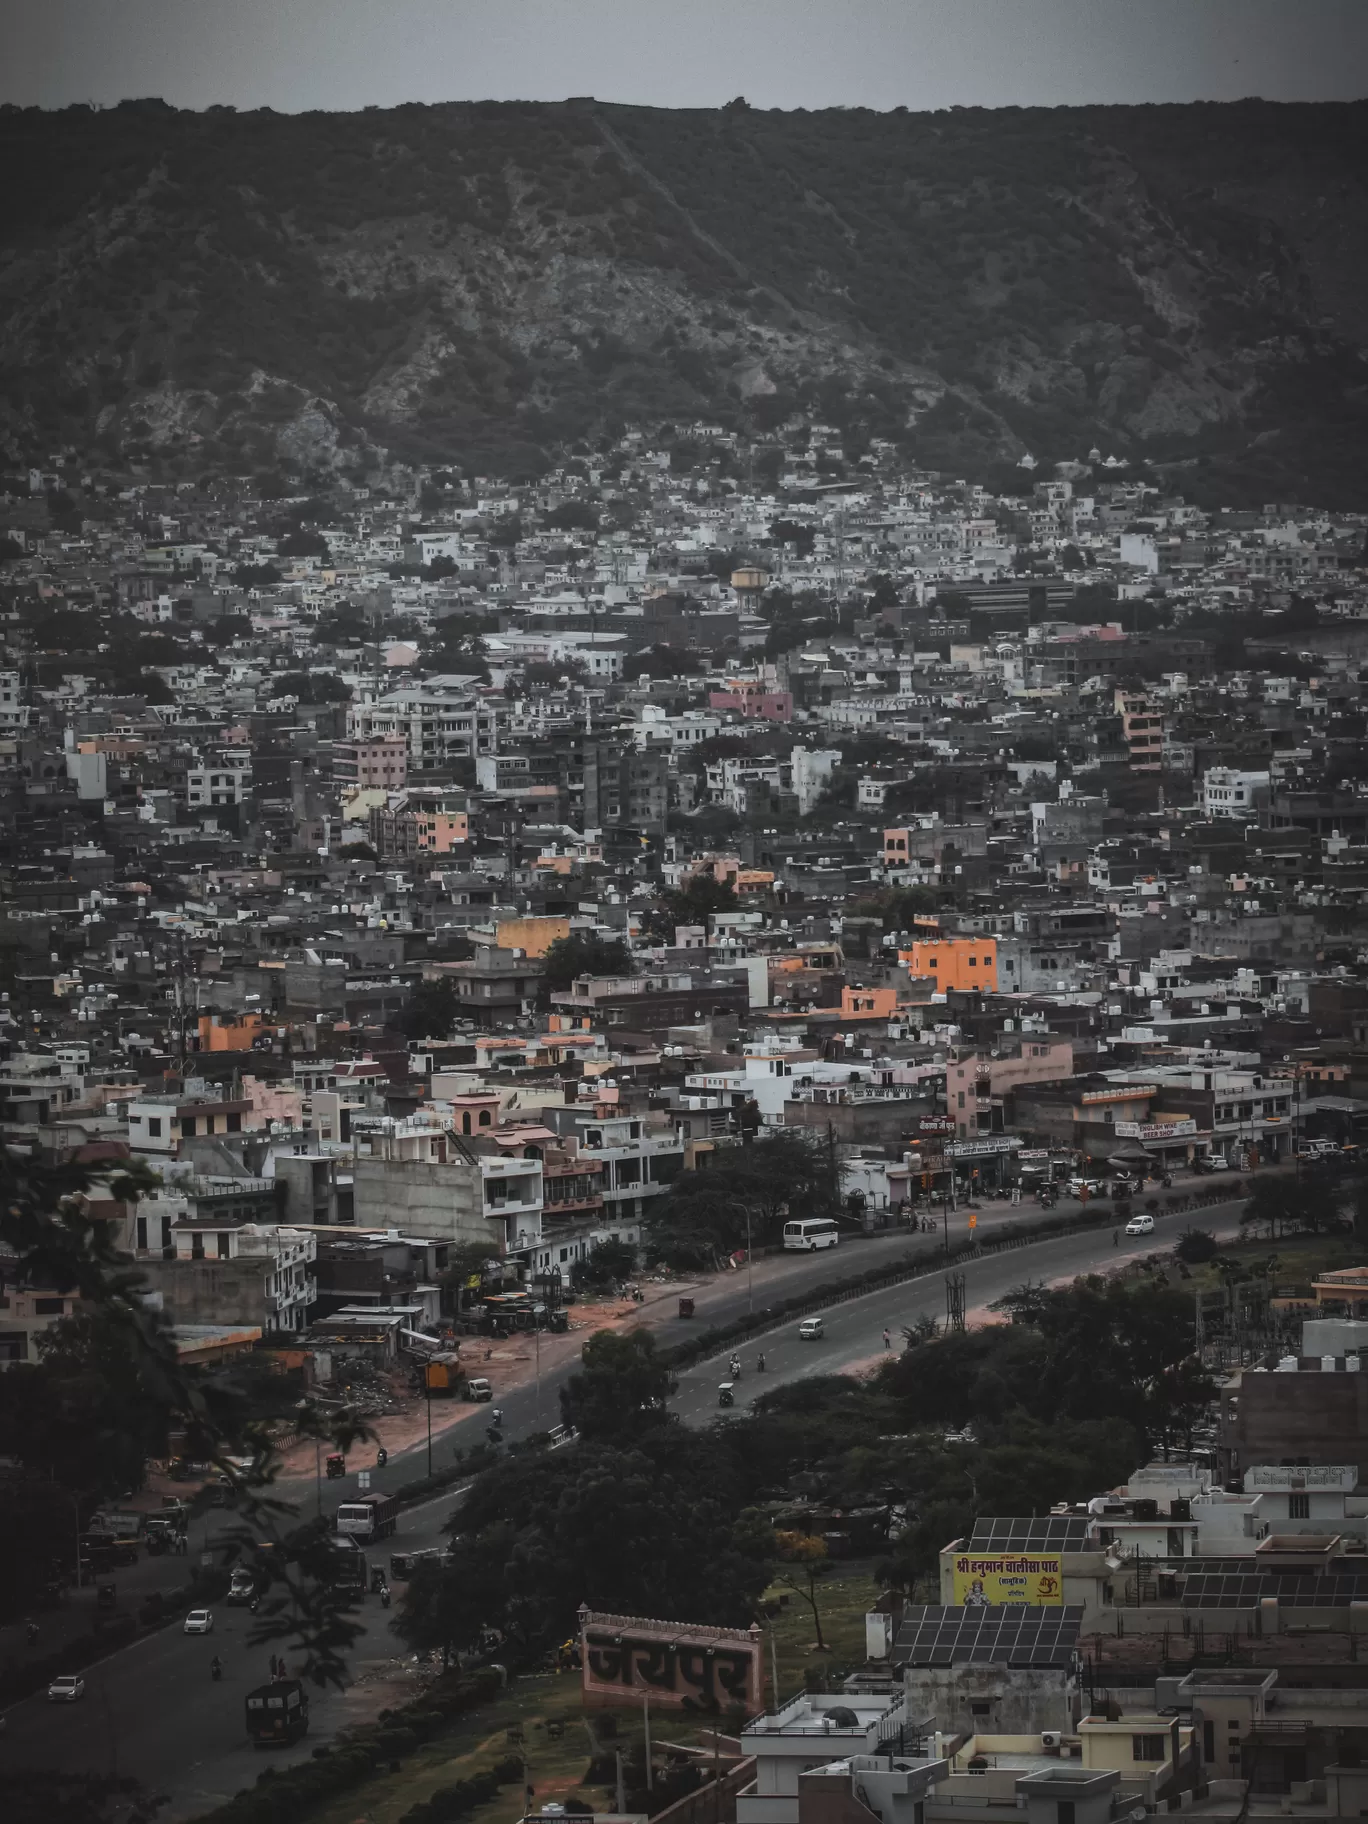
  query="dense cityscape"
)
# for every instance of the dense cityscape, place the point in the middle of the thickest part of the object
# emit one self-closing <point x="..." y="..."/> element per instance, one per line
<point x="458" y="924"/>
<point x="683" y="913"/>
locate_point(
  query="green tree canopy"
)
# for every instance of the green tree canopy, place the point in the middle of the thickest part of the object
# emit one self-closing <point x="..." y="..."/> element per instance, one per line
<point x="584" y="953"/>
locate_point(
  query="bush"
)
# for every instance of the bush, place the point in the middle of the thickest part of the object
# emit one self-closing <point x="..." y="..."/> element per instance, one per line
<point x="1196" y="1246"/>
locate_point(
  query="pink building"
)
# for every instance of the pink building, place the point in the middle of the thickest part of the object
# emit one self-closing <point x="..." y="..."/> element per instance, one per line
<point x="378" y="762"/>
<point x="756" y="701"/>
<point x="976" y="1082"/>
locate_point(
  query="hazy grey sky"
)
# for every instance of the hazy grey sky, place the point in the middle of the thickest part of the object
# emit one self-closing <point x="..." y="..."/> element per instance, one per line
<point x="294" y="54"/>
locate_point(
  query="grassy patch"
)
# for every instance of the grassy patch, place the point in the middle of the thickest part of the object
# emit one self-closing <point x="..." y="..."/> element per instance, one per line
<point x="542" y="1715"/>
<point x="844" y="1597"/>
<point x="1300" y="1258"/>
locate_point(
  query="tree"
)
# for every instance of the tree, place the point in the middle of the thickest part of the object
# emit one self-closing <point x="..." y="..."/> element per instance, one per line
<point x="312" y="686"/>
<point x="662" y="662"/>
<point x="464" y="1274"/>
<point x="808" y="1556"/>
<point x="431" y="1010"/>
<point x="227" y="628"/>
<point x="448" y="1604"/>
<point x="705" y="1213"/>
<point x="300" y="543"/>
<point x="256" y="576"/>
<point x="608" y="1263"/>
<point x="110" y="1388"/>
<point x="584" y="953"/>
<point x="1196" y="1246"/>
<point x="700" y="898"/>
<point x="621" y="1388"/>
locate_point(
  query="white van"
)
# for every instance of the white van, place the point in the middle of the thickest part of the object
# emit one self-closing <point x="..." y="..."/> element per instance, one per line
<point x="811" y="1233"/>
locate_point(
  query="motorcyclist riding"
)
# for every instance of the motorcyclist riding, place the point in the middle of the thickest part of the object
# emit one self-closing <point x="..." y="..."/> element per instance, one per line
<point x="216" y="1668"/>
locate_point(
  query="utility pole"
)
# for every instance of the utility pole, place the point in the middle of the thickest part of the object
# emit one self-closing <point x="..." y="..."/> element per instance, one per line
<point x="427" y="1389"/>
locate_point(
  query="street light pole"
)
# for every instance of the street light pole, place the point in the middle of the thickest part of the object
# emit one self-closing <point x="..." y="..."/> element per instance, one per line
<point x="427" y="1389"/>
<point x="744" y="1208"/>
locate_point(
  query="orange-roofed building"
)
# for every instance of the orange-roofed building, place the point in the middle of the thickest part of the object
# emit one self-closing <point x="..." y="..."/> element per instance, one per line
<point x="869" y="1003"/>
<point x="953" y="962"/>
<point x="229" y="1035"/>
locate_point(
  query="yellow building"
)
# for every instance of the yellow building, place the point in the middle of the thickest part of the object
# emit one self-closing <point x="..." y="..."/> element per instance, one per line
<point x="533" y="936"/>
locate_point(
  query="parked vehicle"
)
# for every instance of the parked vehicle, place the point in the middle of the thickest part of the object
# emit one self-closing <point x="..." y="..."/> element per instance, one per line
<point x="199" y="1621"/>
<point x="1211" y="1162"/>
<point x="810" y="1329"/>
<point x="66" y="1690"/>
<point x="810" y="1233"/>
<point x="1140" y="1225"/>
<point x="479" y="1389"/>
<point x="277" y="1712"/>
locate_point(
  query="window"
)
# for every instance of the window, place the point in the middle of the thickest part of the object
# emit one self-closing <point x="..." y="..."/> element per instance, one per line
<point x="1064" y="1811"/>
<point x="1148" y="1747"/>
<point x="1299" y="1507"/>
<point x="1208" y="1740"/>
<point x="49" y="1307"/>
<point x="980" y="1707"/>
<point x="154" y="1126"/>
<point x="141" y="1230"/>
<point x="222" y="1241"/>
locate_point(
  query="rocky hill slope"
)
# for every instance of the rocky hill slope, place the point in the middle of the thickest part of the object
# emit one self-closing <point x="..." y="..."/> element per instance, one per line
<point x="482" y="282"/>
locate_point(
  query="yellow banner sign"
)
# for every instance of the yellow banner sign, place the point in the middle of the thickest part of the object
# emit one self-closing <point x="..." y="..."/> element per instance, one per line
<point x="998" y="1577"/>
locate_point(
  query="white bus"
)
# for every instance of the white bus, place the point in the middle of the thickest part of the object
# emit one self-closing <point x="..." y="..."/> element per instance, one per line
<point x="810" y="1233"/>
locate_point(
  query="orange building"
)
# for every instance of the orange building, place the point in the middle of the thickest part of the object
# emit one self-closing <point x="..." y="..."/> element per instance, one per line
<point x="220" y="1035"/>
<point x="954" y="962"/>
<point x="869" y="1003"/>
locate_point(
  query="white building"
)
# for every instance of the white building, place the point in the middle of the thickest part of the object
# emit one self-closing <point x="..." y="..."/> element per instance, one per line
<point x="1227" y="792"/>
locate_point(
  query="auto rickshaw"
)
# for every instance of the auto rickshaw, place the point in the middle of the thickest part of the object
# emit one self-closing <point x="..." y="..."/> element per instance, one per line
<point x="106" y="1596"/>
<point x="336" y="1465"/>
<point x="726" y="1394"/>
<point x="686" y="1307"/>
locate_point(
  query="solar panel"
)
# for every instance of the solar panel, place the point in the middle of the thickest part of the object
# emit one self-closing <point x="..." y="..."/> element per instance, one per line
<point x="1045" y="1533"/>
<point x="1012" y="1634"/>
<point x="1222" y="1590"/>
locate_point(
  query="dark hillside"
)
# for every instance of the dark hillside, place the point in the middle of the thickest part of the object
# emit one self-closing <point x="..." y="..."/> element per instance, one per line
<point x="1187" y="284"/>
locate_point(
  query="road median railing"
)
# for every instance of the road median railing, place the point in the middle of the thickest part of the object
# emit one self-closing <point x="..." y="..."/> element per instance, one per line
<point x="923" y="1263"/>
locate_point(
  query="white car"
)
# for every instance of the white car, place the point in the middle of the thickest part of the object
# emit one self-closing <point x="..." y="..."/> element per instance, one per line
<point x="810" y="1329"/>
<point x="1140" y="1225"/>
<point x="1211" y="1162"/>
<point x="199" y="1621"/>
<point x="66" y="1690"/>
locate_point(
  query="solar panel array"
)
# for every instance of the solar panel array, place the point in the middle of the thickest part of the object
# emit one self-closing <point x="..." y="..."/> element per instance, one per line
<point x="1048" y="1533"/>
<point x="1010" y="1634"/>
<point x="1245" y="1589"/>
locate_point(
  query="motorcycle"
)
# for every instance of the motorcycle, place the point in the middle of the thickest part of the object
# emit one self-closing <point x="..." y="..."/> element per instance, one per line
<point x="216" y="1668"/>
<point x="759" y="1364"/>
<point x="381" y="1458"/>
<point x="385" y="1597"/>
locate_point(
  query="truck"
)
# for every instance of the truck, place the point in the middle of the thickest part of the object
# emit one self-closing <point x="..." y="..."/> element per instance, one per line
<point x="349" y="1568"/>
<point x="278" y="1712"/>
<point x="369" y="1517"/>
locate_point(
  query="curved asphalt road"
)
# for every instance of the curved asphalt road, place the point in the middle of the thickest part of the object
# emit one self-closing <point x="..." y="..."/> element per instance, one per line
<point x="152" y="1710"/>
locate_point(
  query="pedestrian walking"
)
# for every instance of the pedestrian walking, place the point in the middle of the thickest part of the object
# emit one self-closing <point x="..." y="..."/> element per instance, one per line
<point x="888" y="1341"/>
<point x="1116" y="1238"/>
